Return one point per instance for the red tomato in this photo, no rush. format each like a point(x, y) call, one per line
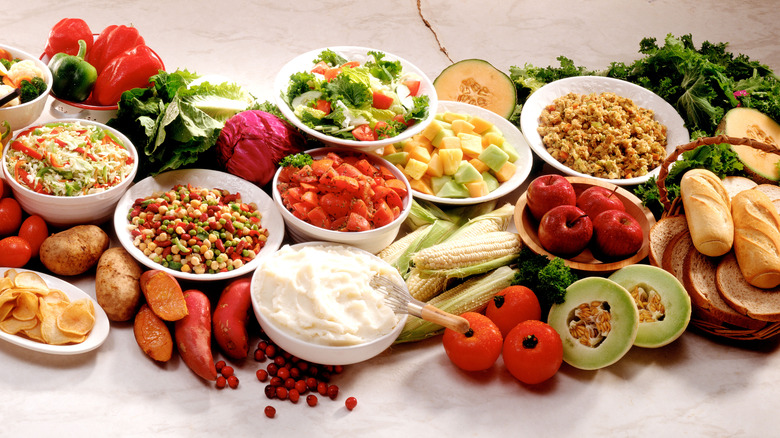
point(511, 306)
point(383, 215)
point(413, 86)
point(323, 105)
point(15, 252)
point(533, 352)
point(320, 67)
point(10, 216)
point(331, 73)
point(356, 222)
point(381, 100)
point(334, 204)
point(478, 348)
point(364, 133)
point(34, 230)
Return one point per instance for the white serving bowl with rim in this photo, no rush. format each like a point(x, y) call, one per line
point(373, 240)
point(66, 211)
point(319, 353)
point(304, 62)
point(664, 113)
point(25, 114)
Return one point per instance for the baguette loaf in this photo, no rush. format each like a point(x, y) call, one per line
point(757, 238)
point(708, 211)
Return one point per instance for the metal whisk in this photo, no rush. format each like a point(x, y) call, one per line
point(399, 299)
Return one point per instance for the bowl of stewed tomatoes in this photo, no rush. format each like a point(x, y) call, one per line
point(342, 195)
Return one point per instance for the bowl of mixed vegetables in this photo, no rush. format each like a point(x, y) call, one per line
point(22, 73)
point(70, 171)
point(355, 96)
point(340, 195)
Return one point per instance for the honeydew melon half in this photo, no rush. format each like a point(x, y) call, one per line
point(597, 322)
point(663, 304)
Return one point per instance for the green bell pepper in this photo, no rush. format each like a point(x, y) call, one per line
point(73, 77)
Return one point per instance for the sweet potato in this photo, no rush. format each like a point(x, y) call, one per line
point(163, 294)
point(117, 284)
point(193, 335)
point(230, 318)
point(152, 335)
point(75, 250)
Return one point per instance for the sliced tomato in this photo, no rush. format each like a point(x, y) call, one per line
point(393, 199)
point(331, 73)
point(397, 185)
point(311, 197)
point(383, 215)
point(346, 183)
point(380, 193)
point(320, 67)
point(336, 158)
point(346, 169)
point(304, 174)
point(319, 167)
point(413, 86)
point(323, 105)
point(334, 204)
point(364, 133)
point(366, 168)
point(301, 210)
point(293, 194)
point(309, 187)
point(356, 222)
point(387, 173)
point(318, 217)
point(360, 208)
point(339, 224)
point(381, 100)
point(351, 64)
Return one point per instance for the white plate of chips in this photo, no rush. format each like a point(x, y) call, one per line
point(77, 326)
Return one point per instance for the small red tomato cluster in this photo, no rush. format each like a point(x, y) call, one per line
point(20, 237)
point(290, 378)
point(511, 327)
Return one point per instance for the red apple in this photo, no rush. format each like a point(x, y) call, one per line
point(616, 234)
point(565, 230)
point(548, 191)
point(596, 199)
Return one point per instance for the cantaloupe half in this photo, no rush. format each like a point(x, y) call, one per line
point(753, 124)
point(477, 82)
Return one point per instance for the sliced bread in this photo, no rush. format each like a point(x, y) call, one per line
point(735, 184)
point(757, 303)
point(699, 279)
point(675, 252)
point(662, 233)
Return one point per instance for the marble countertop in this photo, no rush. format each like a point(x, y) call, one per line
point(697, 386)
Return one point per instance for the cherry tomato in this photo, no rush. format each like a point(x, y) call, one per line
point(478, 348)
point(10, 216)
point(14, 252)
point(511, 306)
point(34, 230)
point(533, 352)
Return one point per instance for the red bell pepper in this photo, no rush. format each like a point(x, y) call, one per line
point(131, 69)
point(112, 42)
point(65, 35)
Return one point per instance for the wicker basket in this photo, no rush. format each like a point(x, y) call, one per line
point(701, 318)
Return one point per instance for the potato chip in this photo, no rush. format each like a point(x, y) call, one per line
point(6, 283)
point(34, 333)
point(30, 280)
point(77, 318)
point(10, 274)
point(13, 326)
point(26, 306)
point(55, 295)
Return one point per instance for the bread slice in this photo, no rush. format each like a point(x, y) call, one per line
point(674, 255)
point(757, 303)
point(699, 279)
point(661, 233)
point(773, 191)
point(736, 184)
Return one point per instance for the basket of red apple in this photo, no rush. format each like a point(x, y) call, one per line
point(592, 225)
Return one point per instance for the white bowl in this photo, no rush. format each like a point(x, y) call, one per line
point(25, 114)
point(250, 193)
point(512, 135)
point(304, 62)
point(372, 241)
point(318, 353)
point(66, 211)
point(676, 133)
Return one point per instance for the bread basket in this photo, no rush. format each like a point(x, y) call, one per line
point(701, 318)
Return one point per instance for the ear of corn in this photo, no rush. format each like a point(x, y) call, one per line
point(424, 288)
point(472, 295)
point(393, 252)
point(464, 257)
point(493, 220)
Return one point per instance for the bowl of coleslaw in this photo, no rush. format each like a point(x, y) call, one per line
point(355, 97)
point(70, 171)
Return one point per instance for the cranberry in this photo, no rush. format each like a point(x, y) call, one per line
point(283, 373)
point(262, 375)
point(260, 355)
point(280, 361)
point(227, 371)
point(219, 365)
point(333, 392)
point(322, 388)
point(301, 387)
point(275, 381)
point(272, 369)
point(221, 382)
point(311, 382)
point(281, 392)
point(270, 391)
point(293, 395)
point(270, 351)
point(311, 400)
point(270, 411)
point(350, 403)
point(232, 381)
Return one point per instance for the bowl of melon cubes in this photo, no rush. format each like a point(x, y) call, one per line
point(466, 155)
